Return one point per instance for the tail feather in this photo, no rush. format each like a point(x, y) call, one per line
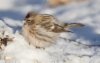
point(73, 25)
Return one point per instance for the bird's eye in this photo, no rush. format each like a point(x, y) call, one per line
point(28, 21)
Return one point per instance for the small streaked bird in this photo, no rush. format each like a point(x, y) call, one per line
point(42, 30)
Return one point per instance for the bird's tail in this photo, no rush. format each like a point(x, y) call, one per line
point(71, 25)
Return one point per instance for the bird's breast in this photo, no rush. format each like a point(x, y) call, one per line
point(39, 37)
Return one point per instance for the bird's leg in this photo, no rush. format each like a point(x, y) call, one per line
point(39, 48)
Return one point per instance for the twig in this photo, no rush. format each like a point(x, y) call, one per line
point(79, 42)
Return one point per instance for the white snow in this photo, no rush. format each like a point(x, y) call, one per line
point(78, 47)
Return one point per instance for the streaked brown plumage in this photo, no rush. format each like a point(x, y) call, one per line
point(42, 30)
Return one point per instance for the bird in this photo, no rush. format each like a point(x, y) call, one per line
point(42, 30)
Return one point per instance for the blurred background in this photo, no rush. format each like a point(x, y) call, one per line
point(12, 12)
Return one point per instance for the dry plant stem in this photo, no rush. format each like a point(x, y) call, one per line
point(79, 42)
point(53, 3)
point(5, 40)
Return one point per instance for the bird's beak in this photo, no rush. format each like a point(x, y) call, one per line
point(24, 21)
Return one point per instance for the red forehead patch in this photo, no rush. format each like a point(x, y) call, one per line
point(27, 16)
